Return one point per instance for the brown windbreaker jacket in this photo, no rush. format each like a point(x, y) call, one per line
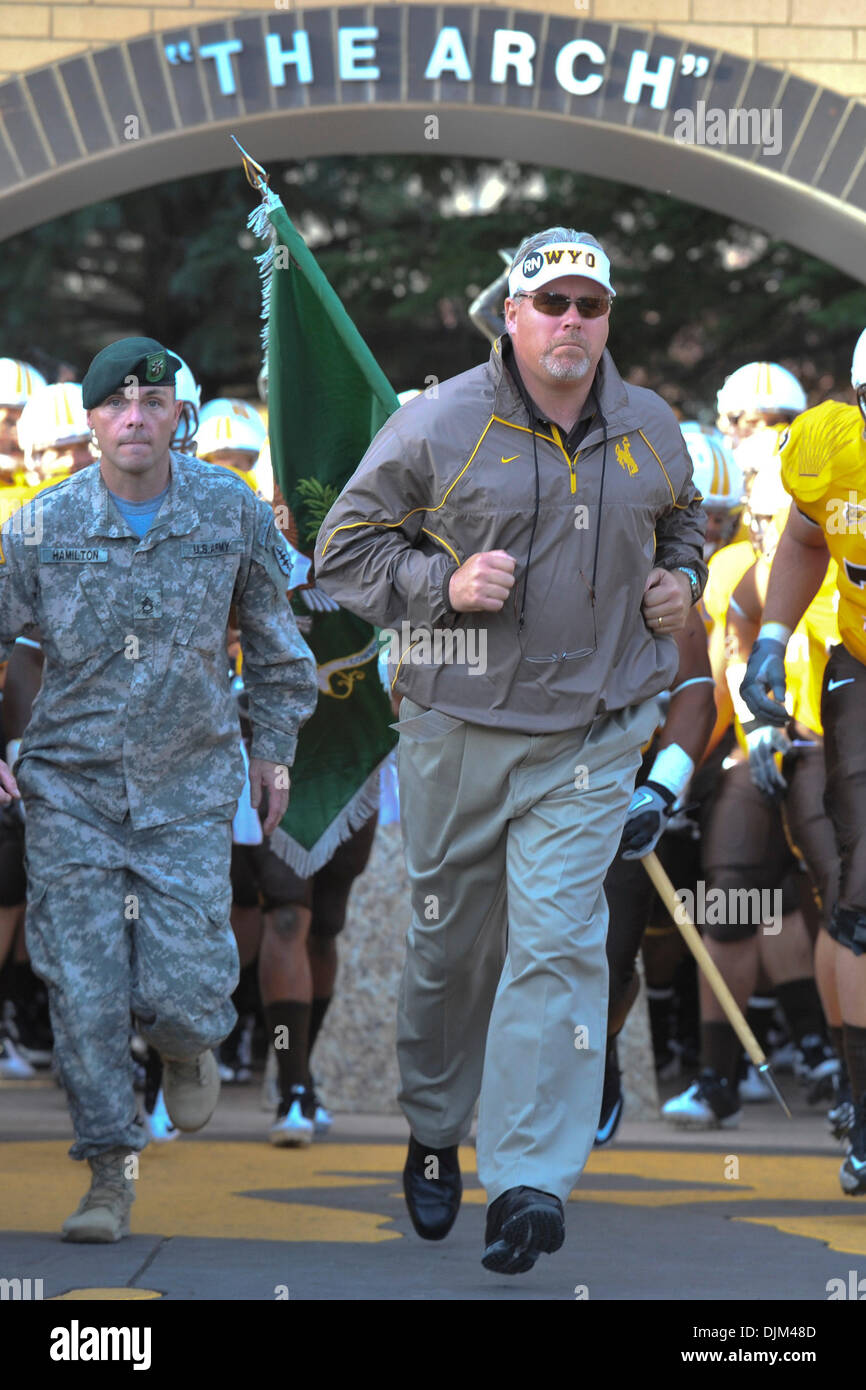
point(451, 476)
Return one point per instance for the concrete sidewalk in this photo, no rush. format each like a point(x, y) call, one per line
point(754, 1213)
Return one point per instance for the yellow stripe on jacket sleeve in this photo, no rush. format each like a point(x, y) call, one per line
point(395, 525)
point(678, 506)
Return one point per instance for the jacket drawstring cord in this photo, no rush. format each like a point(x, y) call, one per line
point(532, 532)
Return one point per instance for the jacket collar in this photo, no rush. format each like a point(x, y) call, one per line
point(610, 389)
point(178, 514)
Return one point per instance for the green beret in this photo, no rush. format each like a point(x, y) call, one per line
point(143, 358)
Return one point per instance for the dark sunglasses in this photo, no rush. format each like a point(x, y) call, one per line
point(546, 302)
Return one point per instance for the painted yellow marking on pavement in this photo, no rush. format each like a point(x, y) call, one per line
point(847, 1235)
point(235, 1190)
point(211, 1189)
point(27, 1083)
point(103, 1295)
point(762, 1177)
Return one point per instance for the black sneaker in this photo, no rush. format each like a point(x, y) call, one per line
point(816, 1063)
point(28, 1024)
point(314, 1109)
point(840, 1116)
point(13, 1067)
point(710, 1103)
point(852, 1174)
point(291, 1128)
point(611, 1099)
point(521, 1225)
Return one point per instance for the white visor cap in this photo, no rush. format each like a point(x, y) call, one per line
point(558, 258)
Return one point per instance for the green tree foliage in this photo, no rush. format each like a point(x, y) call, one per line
point(407, 242)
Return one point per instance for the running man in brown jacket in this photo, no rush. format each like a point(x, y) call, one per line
point(532, 536)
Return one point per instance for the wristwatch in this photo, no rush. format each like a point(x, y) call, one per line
point(694, 583)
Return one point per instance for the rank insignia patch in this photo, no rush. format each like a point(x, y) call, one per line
point(155, 366)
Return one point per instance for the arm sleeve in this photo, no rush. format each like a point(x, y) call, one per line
point(279, 668)
point(372, 555)
point(17, 596)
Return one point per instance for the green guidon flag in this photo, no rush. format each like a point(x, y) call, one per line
point(327, 398)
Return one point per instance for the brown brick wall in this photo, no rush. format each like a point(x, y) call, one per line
point(823, 43)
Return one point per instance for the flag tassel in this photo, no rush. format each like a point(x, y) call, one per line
point(306, 862)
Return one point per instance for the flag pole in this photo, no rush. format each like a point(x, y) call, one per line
point(712, 974)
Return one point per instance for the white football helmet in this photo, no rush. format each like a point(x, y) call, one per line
point(226, 423)
point(716, 473)
point(18, 381)
point(53, 416)
point(264, 472)
point(858, 372)
point(188, 391)
point(761, 386)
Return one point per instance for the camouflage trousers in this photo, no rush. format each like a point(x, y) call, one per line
point(120, 920)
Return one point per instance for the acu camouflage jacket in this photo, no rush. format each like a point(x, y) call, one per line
point(136, 713)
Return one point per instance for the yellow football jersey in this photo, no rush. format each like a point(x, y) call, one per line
point(824, 469)
point(806, 657)
point(808, 650)
point(12, 497)
point(726, 569)
point(248, 475)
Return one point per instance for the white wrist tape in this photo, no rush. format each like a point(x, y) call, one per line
point(673, 769)
point(777, 631)
point(693, 680)
point(734, 676)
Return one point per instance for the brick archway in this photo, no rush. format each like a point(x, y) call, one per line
point(605, 99)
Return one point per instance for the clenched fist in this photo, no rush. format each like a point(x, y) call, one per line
point(483, 582)
point(8, 786)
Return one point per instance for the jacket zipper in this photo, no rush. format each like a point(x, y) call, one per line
point(569, 461)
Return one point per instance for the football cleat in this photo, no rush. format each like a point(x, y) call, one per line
point(752, 1088)
point(710, 1103)
point(816, 1061)
point(784, 1058)
point(158, 1122)
point(13, 1067)
point(28, 1027)
point(291, 1128)
point(611, 1099)
point(841, 1119)
point(852, 1174)
point(314, 1110)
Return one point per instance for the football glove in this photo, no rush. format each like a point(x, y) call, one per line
point(763, 743)
point(765, 672)
point(646, 819)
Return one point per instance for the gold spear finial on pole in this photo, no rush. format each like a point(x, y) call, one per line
point(257, 177)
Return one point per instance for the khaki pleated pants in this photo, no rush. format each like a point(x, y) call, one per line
point(508, 838)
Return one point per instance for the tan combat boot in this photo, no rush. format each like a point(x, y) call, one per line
point(103, 1214)
point(191, 1087)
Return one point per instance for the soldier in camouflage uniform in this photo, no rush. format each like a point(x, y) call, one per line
point(130, 768)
